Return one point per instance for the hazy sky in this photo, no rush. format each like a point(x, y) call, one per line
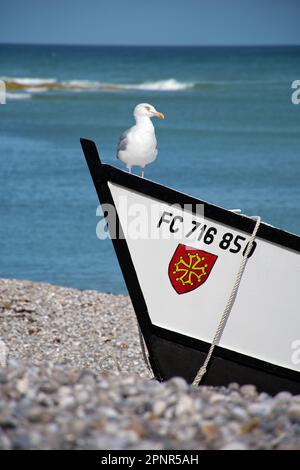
point(140, 22)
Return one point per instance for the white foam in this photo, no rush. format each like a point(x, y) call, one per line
point(164, 85)
point(34, 85)
point(27, 82)
point(83, 84)
point(18, 96)
point(40, 89)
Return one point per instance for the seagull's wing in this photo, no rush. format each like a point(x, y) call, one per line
point(123, 142)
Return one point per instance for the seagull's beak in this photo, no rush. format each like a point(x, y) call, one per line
point(160, 115)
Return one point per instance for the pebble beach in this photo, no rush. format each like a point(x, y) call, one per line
point(72, 376)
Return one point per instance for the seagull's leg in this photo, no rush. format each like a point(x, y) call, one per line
point(129, 169)
point(142, 171)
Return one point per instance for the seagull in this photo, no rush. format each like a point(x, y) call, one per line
point(138, 146)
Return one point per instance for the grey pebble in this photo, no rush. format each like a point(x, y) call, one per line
point(259, 409)
point(239, 413)
point(248, 391)
point(294, 413)
point(185, 404)
point(159, 407)
point(234, 446)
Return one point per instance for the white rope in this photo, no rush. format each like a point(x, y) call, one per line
point(229, 305)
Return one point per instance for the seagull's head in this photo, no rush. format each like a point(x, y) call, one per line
point(146, 110)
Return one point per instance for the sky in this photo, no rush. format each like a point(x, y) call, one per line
point(150, 22)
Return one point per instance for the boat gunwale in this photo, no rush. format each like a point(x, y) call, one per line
point(211, 211)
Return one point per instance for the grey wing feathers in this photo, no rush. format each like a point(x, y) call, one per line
point(122, 144)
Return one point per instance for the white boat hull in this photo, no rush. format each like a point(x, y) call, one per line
point(180, 277)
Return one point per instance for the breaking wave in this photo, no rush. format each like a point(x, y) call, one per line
point(25, 82)
point(18, 96)
point(22, 88)
point(39, 85)
point(163, 85)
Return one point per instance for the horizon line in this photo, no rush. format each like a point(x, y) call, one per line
point(144, 45)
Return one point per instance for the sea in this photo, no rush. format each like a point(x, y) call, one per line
point(231, 136)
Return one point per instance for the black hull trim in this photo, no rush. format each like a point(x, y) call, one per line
point(178, 355)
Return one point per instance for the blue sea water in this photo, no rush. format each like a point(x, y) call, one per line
point(231, 136)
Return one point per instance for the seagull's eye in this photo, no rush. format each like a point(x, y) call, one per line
point(148, 108)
